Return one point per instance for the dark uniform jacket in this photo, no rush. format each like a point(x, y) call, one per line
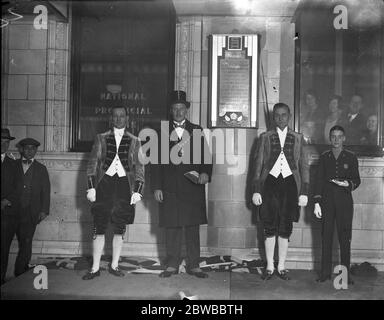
point(8, 185)
point(183, 201)
point(40, 188)
point(346, 167)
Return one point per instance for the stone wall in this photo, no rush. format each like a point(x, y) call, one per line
point(36, 94)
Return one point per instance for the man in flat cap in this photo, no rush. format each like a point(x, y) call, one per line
point(116, 181)
point(9, 200)
point(182, 201)
point(34, 192)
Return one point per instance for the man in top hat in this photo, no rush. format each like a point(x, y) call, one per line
point(182, 202)
point(34, 192)
point(116, 181)
point(8, 200)
point(280, 182)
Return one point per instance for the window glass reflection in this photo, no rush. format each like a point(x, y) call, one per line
point(340, 78)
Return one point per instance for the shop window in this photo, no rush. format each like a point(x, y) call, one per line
point(339, 73)
point(123, 54)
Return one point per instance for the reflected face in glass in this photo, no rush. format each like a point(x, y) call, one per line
point(356, 104)
point(28, 151)
point(310, 101)
point(4, 145)
point(119, 118)
point(337, 138)
point(309, 129)
point(333, 105)
point(372, 123)
point(178, 112)
point(281, 116)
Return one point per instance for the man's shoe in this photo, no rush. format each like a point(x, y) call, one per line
point(90, 275)
point(323, 279)
point(167, 273)
point(116, 272)
point(267, 275)
point(199, 274)
point(283, 274)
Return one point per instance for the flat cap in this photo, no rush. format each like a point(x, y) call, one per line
point(28, 141)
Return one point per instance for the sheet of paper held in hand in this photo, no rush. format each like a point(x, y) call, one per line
point(193, 176)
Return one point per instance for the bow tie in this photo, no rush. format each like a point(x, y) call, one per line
point(178, 125)
point(27, 161)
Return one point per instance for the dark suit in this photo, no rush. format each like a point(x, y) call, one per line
point(29, 209)
point(41, 188)
point(354, 129)
point(184, 204)
point(9, 192)
point(336, 204)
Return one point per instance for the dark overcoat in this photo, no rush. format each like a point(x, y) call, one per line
point(41, 188)
point(184, 202)
point(8, 185)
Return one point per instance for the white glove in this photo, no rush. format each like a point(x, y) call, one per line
point(91, 194)
point(256, 199)
point(136, 197)
point(317, 211)
point(303, 200)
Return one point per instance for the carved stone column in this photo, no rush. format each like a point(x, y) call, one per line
point(57, 95)
point(188, 62)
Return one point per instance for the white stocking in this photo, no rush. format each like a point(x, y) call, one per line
point(269, 251)
point(117, 244)
point(98, 246)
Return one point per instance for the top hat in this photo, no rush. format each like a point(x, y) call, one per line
point(179, 96)
point(6, 135)
point(28, 142)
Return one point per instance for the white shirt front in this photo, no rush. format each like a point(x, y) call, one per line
point(281, 165)
point(2, 157)
point(116, 166)
point(179, 130)
point(351, 116)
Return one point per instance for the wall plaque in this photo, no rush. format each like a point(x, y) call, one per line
point(233, 80)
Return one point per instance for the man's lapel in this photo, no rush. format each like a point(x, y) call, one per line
point(275, 136)
point(188, 127)
point(112, 140)
point(35, 174)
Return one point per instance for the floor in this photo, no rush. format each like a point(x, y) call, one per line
point(67, 284)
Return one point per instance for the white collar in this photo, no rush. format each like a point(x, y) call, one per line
point(119, 132)
point(284, 132)
point(179, 123)
point(2, 157)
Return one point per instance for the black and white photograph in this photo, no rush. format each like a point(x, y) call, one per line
point(220, 151)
